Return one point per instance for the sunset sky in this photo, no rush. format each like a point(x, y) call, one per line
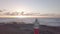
point(34, 6)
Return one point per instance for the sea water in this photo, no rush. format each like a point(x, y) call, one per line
point(42, 21)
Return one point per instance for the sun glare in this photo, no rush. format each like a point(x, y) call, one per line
point(24, 16)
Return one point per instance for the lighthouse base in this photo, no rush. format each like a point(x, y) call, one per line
point(36, 31)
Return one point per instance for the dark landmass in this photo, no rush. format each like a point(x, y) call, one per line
point(27, 29)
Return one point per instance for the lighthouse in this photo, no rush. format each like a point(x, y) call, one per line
point(36, 27)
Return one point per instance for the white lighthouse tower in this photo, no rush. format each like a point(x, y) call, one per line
point(36, 27)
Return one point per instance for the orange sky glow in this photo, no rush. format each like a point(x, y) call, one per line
point(29, 16)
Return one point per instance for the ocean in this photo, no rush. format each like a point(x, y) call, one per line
point(42, 21)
